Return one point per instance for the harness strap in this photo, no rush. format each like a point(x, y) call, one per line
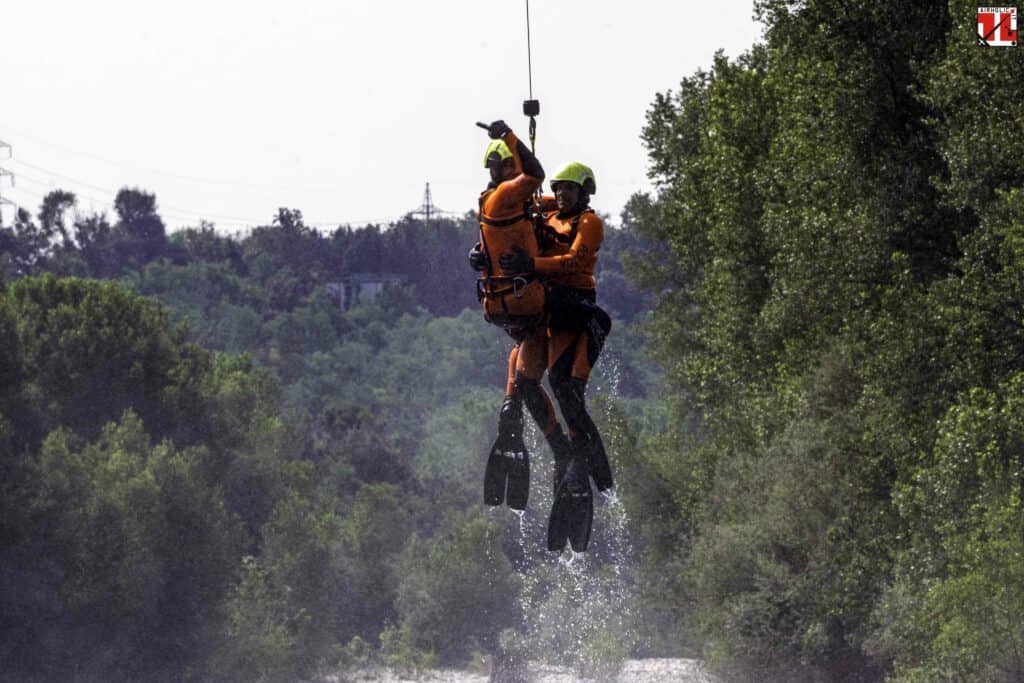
point(486, 289)
point(486, 286)
point(526, 215)
point(502, 222)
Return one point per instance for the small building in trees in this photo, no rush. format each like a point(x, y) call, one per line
point(362, 287)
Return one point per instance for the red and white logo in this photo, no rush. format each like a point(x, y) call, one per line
point(997, 26)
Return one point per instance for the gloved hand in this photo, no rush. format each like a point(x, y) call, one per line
point(498, 129)
point(477, 259)
point(516, 262)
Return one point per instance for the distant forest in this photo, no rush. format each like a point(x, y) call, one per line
point(285, 257)
point(812, 395)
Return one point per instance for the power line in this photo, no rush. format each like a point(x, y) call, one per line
point(175, 176)
point(187, 215)
point(113, 193)
point(184, 214)
point(107, 204)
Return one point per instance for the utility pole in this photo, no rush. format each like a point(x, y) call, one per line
point(5, 172)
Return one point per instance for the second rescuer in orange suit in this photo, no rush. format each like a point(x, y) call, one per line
point(556, 255)
point(570, 342)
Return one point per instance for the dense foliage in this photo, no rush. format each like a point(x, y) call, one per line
point(838, 248)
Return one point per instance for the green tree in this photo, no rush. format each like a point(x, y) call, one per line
point(373, 533)
point(456, 437)
point(454, 593)
point(23, 246)
point(133, 463)
point(53, 222)
point(139, 548)
point(93, 238)
point(205, 244)
point(289, 610)
point(90, 351)
point(954, 613)
point(140, 230)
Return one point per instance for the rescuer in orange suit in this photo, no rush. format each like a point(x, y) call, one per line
point(567, 344)
point(512, 299)
point(567, 347)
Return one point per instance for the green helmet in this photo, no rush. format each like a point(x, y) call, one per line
point(575, 172)
point(497, 148)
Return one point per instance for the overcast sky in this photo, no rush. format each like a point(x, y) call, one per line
point(228, 110)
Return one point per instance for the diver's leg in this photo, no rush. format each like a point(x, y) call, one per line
point(526, 377)
point(568, 375)
point(572, 513)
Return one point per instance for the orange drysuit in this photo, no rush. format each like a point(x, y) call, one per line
point(567, 262)
point(514, 301)
point(571, 340)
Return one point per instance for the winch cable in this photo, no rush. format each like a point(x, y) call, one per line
point(531, 107)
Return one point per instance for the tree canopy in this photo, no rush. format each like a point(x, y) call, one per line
point(835, 242)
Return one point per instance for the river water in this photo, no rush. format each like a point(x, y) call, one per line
point(633, 671)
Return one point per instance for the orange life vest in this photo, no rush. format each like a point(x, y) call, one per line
point(569, 247)
point(514, 301)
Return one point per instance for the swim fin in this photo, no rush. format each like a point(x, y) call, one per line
point(507, 474)
point(593, 449)
point(572, 514)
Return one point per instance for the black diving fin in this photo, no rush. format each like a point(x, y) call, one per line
point(507, 474)
point(572, 514)
point(593, 449)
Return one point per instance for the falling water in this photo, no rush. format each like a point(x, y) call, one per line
point(578, 608)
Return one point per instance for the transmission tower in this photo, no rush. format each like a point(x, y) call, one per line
point(427, 209)
point(4, 172)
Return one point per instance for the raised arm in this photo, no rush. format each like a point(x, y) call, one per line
point(509, 197)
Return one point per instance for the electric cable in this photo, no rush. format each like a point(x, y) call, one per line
point(182, 214)
point(167, 174)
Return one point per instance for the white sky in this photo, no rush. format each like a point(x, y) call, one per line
point(229, 109)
